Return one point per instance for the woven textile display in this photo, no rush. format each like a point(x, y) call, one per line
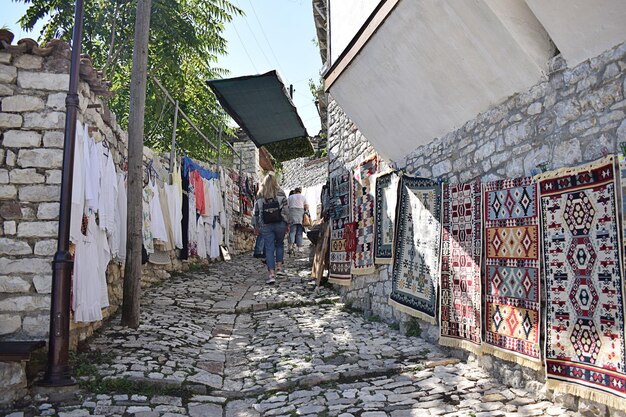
point(460, 266)
point(416, 272)
point(584, 290)
point(340, 259)
point(363, 215)
point(512, 316)
point(386, 201)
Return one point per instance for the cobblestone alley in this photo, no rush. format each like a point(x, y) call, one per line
point(221, 343)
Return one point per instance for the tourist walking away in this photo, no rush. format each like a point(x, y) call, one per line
point(289, 241)
point(271, 214)
point(297, 207)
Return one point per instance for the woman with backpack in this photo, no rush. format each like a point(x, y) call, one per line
point(270, 221)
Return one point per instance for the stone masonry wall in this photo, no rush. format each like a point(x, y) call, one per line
point(250, 158)
point(573, 116)
point(32, 117)
point(33, 88)
point(304, 172)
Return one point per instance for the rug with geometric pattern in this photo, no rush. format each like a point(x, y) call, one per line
point(363, 216)
point(415, 276)
point(585, 352)
point(512, 302)
point(340, 265)
point(386, 202)
point(461, 245)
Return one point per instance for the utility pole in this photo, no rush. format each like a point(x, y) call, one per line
point(138, 84)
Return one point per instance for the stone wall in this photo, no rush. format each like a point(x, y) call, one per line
point(33, 88)
point(304, 172)
point(250, 158)
point(573, 116)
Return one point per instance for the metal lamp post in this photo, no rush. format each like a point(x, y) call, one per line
point(58, 370)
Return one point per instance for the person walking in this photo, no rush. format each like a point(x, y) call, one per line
point(289, 241)
point(297, 206)
point(270, 220)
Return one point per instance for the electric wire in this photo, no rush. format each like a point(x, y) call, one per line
point(244, 48)
point(265, 36)
point(255, 38)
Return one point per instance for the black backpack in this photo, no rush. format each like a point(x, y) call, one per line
point(271, 211)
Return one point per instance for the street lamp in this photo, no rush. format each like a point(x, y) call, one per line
point(58, 370)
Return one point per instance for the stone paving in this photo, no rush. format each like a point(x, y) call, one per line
point(221, 343)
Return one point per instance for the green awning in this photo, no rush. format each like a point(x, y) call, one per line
point(261, 106)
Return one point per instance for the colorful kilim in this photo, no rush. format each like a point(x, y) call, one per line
point(584, 290)
point(386, 201)
point(512, 316)
point(460, 266)
point(418, 236)
point(363, 215)
point(340, 266)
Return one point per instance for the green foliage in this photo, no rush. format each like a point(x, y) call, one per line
point(186, 38)
point(290, 149)
point(128, 386)
point(374, 319)
point(395, 325)
point(413, 328)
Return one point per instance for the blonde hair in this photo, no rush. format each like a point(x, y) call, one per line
point(269, 187)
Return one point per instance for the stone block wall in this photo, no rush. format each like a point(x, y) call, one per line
point(304, 172)
point(250, 158)
point(573, 116)
point(32, 118)
point(33, 88)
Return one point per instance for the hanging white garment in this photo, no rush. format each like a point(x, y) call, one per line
point(108, 190)
point(121, 216)
point(202, 242)
point(78, 185)
point(87, 288)
point(176, 213)
point(216, 240)
point(208, 234)
point(313, 198)
point(103, 259)
point(92, 174)
point(207, 198)
point(156, 215)
point(177, 180)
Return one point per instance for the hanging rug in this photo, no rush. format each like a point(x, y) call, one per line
point(512, 309)
point(386, 201)
point(416, 274)
point(340, 266)
point(363, 215)
point(584, 288)
point(461, 243)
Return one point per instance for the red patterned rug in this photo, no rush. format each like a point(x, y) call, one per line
point(340, 265)
point(584, 285)
point(512, 316)
point(363, 215)
point(460, 266)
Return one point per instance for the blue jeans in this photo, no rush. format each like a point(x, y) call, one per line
point(274, 240)
point(295, 234)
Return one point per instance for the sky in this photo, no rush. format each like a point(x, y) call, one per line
point(273, 34)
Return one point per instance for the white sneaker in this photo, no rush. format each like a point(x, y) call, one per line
point(270, 280)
